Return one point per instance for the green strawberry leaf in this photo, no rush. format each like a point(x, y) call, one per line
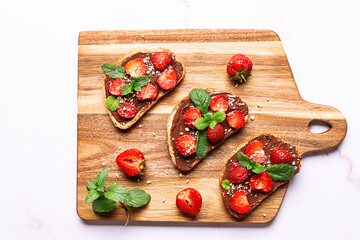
point(103, 204)
point(138, 198)
point(226, 184)
point(112, 103)
point(117, 193)
point(280, 172)
point(92, 195)
point(202, 144)
point(201, 99)
point(201, 123)
point(113, 71)
point(126, 89)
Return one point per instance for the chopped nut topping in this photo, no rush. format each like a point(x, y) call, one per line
point(252, 118)
point(116, 175)
point(148, 182)
point(163, 200)
point(187, 181)
point(181, 175)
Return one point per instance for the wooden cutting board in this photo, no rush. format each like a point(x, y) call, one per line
point(205, 53)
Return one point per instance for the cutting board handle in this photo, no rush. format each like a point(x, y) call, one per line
point(330, 138)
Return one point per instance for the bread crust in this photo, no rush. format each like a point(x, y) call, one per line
point(139, 114)
point(238, 215)
point(169, 124)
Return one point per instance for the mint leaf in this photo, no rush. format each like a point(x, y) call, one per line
point(113, 71)
point(280, 172)
point(92, 195)
point(112, 103)
point(201, 99)
point(139, 82)
point(117, 193)
point(102, 177)
point(202, 144)
point(100, 189)
point(92, 184)
point(138, 198)
point(201, 123)
point(207, 117)
point(102, 204)
point(126, 89)
point(245, 161)
point(218, 117)
point(212, 124)
point(226, 184)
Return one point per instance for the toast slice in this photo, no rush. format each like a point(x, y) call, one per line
point(256, 196)
point(142, 105)
point(176, 127)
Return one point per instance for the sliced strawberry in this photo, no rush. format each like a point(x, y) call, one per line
point(215, 135)
point(189, 201)
point(239, 202)
point(115, 86)
point(236, 119)
point(148, 92)
point(126, 110)
point(190, 117)
point(160, 60)
point(280, 155)
point(167, 79)
point(237, 173)
point(219, 104)
point(135, 68)
point(186, 145)
point(255, 151)
point(261, 182)
point(131, 162)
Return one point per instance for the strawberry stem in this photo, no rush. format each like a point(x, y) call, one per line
point(242, 76)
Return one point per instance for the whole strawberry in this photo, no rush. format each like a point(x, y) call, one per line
point(239, 67)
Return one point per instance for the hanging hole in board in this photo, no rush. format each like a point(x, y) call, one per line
point(319, 126)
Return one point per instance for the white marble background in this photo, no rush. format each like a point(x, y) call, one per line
point(38, 62)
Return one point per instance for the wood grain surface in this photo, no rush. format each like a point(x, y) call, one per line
point(270, 92)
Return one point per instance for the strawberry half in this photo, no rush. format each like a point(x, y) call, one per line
point(215, 135)
point(189, 201)
point(219, 104)
point(148, 92)
point(280, 155)
point(160, 60)
point(239, 67)
point(239, 202)
point(261, 182)
point(255, 151)
point(135, 68)
point(167, 79)
point(186, 145)
point(126, 110)
point(115, 86)
point(237, 173)
point(236, 119)
point(131, 162)
point(190, 117)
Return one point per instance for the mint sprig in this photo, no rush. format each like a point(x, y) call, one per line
point(105, 200)
point(112, 103)
point(113, 71)
point(201, 99)
point(245, 161)
point(209, 120)
point(280, 172)
point(135, 85)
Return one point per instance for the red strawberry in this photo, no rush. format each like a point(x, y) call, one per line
point(167, 79)
point(238, 173)
point(189, 201)
point(261, 182)
point(239, 67)
point(126, 110)
point(135, 68)
point(239, 202)
point(190, 116)
point(186, 145)
point(131, 162)
point(219, 104)
point(255, 151)
point(215, 135)
point(280, 155)
point(148, 92)
point(160, 60)
point(115, 86)
point(236, 119)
